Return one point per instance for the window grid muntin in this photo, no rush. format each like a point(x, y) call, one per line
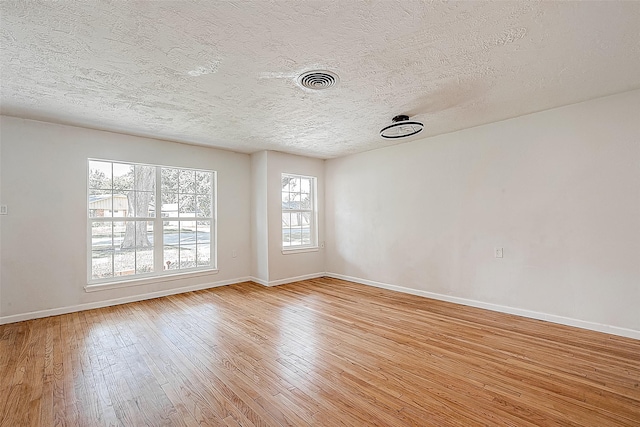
point(157, 220)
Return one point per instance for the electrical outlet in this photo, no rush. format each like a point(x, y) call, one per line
point(4, 210)
point(234, 253)
point(499, 252)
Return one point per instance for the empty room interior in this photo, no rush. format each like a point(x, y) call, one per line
point(381, 213)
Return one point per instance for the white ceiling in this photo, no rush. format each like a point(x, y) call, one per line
point(223, 73)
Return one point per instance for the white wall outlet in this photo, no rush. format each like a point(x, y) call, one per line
point(234, 253)
point(4, 210)
point(499, 252)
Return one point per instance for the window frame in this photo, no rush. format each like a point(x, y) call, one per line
point(313, 246)
point(159, 274)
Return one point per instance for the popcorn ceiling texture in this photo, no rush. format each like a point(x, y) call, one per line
point(223, 74)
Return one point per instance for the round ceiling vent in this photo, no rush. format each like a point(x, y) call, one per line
point(401, 128)
point(318, 79)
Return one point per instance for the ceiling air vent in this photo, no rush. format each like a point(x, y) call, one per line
point(318, 79)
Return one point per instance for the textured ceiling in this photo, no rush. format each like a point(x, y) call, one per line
point(223, 73)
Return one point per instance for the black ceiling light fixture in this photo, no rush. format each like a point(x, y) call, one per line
point(402, 127)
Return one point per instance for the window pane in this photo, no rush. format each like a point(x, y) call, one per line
point(187, 257)
point(187, 244)
point(122, 176)
point(170, 180)
point(187, 205)
point(306, 235)
point(204, 206)
point(295, 219)
point(286, 237)
point(99, 175)
point(144, 260)
point(203, 182)
point(101, 236)
point(296, 236)
point(305, 202)
point(187, 181)
point(305, 185)
point(285, 183)
point(169, 205)
point(171, 245)
point(119, 229)
point(100, 203)
point(124, 238)
point(124, 204)
point(101, 264)
point(294, 184)
point(204, 232)
point(286, 219)
point(145, 178)
point(305, 219)
point(145, 204)
point(124, 262)
point(204, 257)
point(203, 240)
point(139, 234)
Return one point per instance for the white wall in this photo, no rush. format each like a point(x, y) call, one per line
point(559, 190)
point(44, 237)
point(270, 266)
point(1, 218)
point(292, 265)
point(259, 229)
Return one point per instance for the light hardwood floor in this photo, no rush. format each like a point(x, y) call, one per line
point(320, 352)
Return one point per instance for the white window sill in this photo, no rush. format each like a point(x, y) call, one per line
point(299, 250)
point(94, 287)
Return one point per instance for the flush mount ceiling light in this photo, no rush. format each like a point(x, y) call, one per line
point(401, 128)
point(317, 79)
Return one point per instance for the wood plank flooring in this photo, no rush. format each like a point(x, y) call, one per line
point(321, 352)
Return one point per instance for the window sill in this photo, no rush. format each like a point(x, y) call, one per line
point(94, 287)
point(299, 250)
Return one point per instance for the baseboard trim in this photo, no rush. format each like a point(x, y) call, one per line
point(598, 327)
point(259, 281)
point(107, 303)
point(287, 280)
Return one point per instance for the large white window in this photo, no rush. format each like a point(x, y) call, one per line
point(299, 214)
point(131, 238)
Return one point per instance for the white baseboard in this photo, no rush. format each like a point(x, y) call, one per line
point(117, 301)
point(259, 281)
point(630, 333)
point(287, 280)
point(599, 327)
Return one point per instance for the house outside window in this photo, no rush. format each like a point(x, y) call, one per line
point(129, 238)
point(299, 212)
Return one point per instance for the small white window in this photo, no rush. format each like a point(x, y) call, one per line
point(299, 213)
point(129, 238)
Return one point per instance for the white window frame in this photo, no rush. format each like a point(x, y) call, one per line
point(159, 274)
point(313, 246)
